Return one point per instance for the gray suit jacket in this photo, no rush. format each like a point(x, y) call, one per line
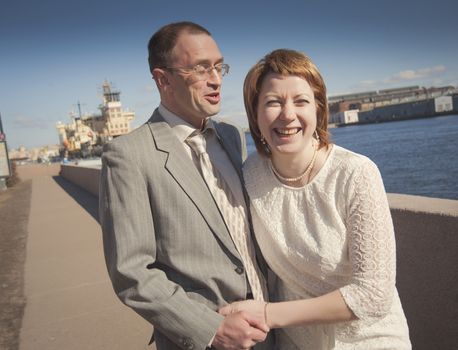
point(169, 254)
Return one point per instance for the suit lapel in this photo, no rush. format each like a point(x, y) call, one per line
point(236, 159)
point(228, 145)
point(183, 170)
point(234, 155)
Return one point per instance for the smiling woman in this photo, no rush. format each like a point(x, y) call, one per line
point(287, 121)
point(321, 219)
point(289, 115)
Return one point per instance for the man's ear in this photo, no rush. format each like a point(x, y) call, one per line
point(161, 78)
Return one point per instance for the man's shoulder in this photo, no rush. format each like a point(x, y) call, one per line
point(135, 137)
point(232, 135)
point(227, 125)
point(229, 130)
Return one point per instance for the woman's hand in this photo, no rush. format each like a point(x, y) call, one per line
point(256, 309)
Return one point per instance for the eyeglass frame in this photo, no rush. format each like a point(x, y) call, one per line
point(206, 72)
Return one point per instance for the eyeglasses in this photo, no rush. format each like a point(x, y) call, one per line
point(202, 71)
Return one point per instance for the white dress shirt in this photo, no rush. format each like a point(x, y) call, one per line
point(215, 150)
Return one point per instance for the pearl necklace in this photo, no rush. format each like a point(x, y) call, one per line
point(300, 177)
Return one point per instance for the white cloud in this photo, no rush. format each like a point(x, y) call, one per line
point(368, 82)
point(30, 123)
point(429, 76)
point(422, 73)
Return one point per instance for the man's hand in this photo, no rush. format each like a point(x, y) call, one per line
point(239, 330)
point(256, 309)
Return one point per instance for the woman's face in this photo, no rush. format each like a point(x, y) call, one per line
point(286, 113)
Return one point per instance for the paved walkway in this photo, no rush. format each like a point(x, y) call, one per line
point(70, 301)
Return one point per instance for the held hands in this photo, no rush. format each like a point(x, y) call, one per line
point(241, 329)
point(255, 308)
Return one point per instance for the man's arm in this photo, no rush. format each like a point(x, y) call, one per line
point(130, 253)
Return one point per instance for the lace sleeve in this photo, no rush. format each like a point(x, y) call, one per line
point(371, 245)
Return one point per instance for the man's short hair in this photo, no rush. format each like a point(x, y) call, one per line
point(163, 41)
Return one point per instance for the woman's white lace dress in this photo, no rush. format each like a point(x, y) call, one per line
point(334, 233)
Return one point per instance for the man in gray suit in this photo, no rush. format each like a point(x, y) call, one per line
point(167, 245)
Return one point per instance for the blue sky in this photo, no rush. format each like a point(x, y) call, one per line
point(54, 53)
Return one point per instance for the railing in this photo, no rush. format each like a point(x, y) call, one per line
point(427, 259)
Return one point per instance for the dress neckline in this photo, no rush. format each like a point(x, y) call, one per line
point(315, 178)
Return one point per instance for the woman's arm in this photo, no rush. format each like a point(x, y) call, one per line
point(327, 308)
point(371, 250)
point(371, 245)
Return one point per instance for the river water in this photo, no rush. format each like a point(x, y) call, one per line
point(417, 157)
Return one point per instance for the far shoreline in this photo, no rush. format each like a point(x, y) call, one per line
point(397, 119)
point(394, 119)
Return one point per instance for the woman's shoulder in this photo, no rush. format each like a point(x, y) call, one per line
point(349, 160)
point(354, 169)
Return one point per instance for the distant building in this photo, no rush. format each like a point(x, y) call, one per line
point(82, 134)
point(443, 104)
point(365, 101)
point(345, 117)
point(408, 110)
point(19, 154)
point(37, 154)
point(391, 104)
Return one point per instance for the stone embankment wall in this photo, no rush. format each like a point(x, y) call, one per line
point(84, 177)
point(427, 259)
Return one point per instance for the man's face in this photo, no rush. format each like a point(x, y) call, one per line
point(189, 96)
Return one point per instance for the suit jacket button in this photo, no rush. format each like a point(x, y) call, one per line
point(239, 270)
point(188, 343)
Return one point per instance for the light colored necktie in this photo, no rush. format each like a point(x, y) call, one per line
point(233, 213)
